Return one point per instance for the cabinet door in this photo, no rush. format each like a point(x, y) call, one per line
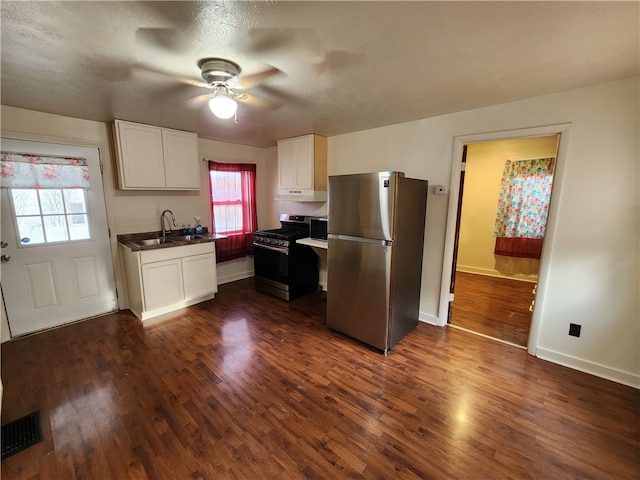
point(162, 283)
point(140, 156)
point(304, 163)
point(286, 163)
point(181, 159)
point(199, 272)
point(295, 163)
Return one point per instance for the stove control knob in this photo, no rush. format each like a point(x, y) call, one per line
point(267, 240)
point(280, 242)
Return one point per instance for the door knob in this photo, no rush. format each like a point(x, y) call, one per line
point(4, 258)
point(3, 244)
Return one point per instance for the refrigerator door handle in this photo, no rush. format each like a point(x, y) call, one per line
point(349, 238)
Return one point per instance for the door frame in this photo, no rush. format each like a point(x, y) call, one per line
point(547, 248)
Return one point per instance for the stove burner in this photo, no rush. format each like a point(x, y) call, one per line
point(284, 233)
point(292, 228)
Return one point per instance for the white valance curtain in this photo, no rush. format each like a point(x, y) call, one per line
point(23, 170)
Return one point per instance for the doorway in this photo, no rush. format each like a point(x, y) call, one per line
point(493, 295)
point(56, 265)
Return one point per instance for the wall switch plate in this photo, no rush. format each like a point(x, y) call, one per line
point(574, 329)
point(440, 190)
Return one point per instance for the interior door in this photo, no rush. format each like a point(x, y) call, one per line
point(53, 275)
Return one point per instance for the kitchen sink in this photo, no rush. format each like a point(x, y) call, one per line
point(169, 239)
point(154, 241)
point(186, 238)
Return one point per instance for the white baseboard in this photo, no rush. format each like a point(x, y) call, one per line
point(602, 371)
point(494, 273)
point(145, 317)
point(233, 277)
point(428, 318)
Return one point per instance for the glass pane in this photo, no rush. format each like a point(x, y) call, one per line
point(56, 228)
point(51, 202)
point(75, 200)
point(228, 218)
point(226, 186)
point(25, 202)
point(30, 230)
point(79, 227)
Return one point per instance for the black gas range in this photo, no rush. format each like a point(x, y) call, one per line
point(284, 268)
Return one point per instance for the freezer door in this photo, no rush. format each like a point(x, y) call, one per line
point(361, 205)
point(358, 277)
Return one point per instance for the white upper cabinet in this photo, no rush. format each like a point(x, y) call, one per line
point(181, 163)
point(154, 158)
point(302, 168)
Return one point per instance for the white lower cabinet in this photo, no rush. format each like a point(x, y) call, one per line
point(162, 283)
point(199, 277)
point(167, 279)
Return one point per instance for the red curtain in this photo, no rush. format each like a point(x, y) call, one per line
point(233, 200)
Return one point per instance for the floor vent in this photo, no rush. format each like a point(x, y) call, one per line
point(20, 434)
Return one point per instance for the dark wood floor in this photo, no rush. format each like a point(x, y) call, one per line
point(497, 307)
point(250, 387)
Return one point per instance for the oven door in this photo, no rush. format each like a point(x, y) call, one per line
point(271, 265)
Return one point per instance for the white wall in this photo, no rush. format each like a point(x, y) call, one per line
point(592, 249)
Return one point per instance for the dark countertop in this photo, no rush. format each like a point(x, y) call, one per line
point(128, 240)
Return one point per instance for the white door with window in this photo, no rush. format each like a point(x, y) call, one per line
point(56, 257)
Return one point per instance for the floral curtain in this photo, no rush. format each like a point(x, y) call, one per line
point(233, 208)
point(523, 205)
point(22, 170)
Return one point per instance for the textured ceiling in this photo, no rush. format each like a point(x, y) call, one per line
point(343, 66)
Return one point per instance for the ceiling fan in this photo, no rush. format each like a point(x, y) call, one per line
point(223, 76)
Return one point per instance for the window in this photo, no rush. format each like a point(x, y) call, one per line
point(48, 197)
point(233, 208)
point(226, 195)
point(50, 215)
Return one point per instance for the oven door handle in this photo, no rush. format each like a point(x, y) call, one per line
point(275, 249)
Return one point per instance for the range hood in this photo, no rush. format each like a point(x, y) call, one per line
point(303, 196)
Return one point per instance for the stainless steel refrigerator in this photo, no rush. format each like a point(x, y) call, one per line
point(374, 257)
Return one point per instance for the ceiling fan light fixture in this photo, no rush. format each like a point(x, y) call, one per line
point(222, 105)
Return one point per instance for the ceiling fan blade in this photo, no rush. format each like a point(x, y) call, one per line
point(255, 101)
point(176, 77)
point(250, 81)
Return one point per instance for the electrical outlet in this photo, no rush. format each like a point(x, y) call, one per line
point(574, 329)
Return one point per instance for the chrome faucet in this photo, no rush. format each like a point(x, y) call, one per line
point(162, 224)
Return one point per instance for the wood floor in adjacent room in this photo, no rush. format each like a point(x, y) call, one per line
point(497, 307)
point(247, 386)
